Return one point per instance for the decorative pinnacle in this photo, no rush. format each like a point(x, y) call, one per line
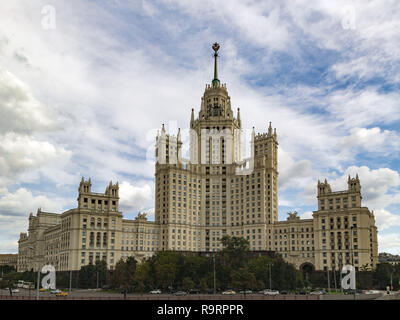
point(215, 81)
point(215, 47)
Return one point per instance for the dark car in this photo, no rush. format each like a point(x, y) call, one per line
point(284, 292)
point(358, 291)
point(302, 292)
point(194, 291)
point(180, 293)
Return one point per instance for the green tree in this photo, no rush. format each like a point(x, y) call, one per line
point(123, 275)
point(235, 251)
point(143, 277)
point(243, 279)
point(167, 265)
point(382, 274)
point(187, 284)
point(87, 276)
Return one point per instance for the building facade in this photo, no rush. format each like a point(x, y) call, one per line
point(94, 231)
point(215, 192)
point(9, 260)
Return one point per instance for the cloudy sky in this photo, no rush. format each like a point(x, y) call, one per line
point(84, 86)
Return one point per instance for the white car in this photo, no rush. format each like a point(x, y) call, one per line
point(372, 292)
point(15, 290)
point(271, 292)
point(55, 291)
point(157, 291)
point(229, 292)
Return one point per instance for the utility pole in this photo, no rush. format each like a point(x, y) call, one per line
point(352, 258)
point(340, 271)
point(270, 277)
point(391, 281)
point(38, 282)
point(97, 285)
point(214, 274)
point(329, 285)
point(334, 276)
point(70, 281)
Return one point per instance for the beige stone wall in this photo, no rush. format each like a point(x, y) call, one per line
point(9, 260)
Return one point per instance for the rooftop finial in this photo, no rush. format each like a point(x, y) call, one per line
point(215, 81)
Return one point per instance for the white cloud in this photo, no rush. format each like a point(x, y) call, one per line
point(385, 219)
point(133, 198)
point(21, 152)
point(363, 108)
point(22, 201)
point(389, 242)
point(306, 215)
point(253, 21)
point(293, 173)
point(19, 110)
point(371, 140)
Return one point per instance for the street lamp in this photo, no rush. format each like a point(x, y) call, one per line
point(270, 278)
point(38, 277)
point(352, 257)
point(214, 273)
point(340, 271)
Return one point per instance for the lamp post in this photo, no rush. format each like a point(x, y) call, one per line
point(352, 257)
point(334, 276)
point(70, 281)
point(38, 277)
point(340, 271)
point(214, 274)
point(270, 277)
point(329, 285)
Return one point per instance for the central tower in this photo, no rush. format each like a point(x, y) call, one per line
point(216, 133)
point(215, 192)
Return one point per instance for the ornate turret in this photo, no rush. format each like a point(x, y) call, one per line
point(324, 187)
point(354, 184)
point(85, 186)
point(270, 130)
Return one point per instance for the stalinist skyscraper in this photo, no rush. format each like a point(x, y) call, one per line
point(215, 192)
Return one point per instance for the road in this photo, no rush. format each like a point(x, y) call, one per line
point(93, 294)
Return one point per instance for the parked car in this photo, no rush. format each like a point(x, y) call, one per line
point(15, 290)
point(357, 291)
point(271, 292)
point(62, 294)
point(194, 291)
point(318, 292)
point(302, 292)
point(245, 291)
point(42, 290)
point(229, 292)
point(372, 292)
point(55, 291)
point(284, 292)
point(156, 291)
point(180, 293)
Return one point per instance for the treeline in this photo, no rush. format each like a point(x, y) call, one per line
point(234, 269)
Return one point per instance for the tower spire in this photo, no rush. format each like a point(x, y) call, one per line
point(215, 81)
